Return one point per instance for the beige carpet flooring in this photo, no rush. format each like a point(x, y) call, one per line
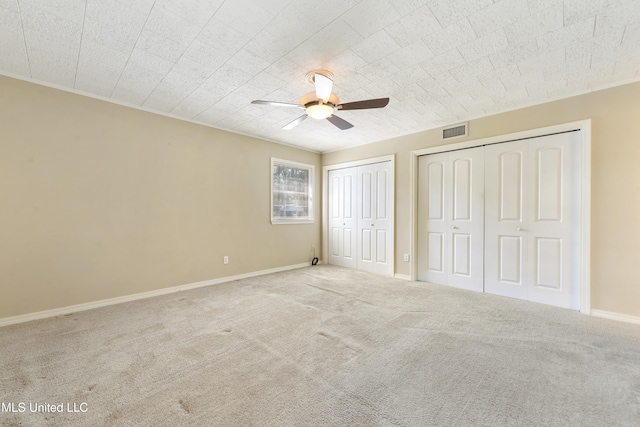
point(322, 346)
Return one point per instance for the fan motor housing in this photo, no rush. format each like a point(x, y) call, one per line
point(311, 97)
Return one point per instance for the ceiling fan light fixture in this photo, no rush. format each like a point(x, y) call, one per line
point(322, 103)
point(319, 111)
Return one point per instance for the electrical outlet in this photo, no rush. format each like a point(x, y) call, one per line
point(225, 260)
point(406, 257)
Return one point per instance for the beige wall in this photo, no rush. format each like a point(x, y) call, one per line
point(101, 201)
point(615, 186)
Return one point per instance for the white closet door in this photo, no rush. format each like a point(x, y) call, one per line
point(466, 218)
point(529, 220)
point(343, 217)
point(433, 224)
point(375, 225)
point(451, 218)
point(551, 216)
point(506, 193)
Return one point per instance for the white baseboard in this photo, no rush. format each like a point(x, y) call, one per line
point(126, 298)
point(403, 277)
point(616, 316)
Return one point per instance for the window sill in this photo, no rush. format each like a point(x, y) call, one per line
point(291, 221)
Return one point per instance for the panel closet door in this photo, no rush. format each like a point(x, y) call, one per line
point(375, 223)
point(451, 218)
point(343, 217)
point(532, 199)
point(553, 220)
point(432, 221)
point(361, 217)
point(506, 219)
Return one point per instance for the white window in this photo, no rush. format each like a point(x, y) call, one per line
point(291, 192)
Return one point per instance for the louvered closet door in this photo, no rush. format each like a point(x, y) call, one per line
point(343, 217)
point(451, 218)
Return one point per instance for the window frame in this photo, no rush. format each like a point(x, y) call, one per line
point(308, 219)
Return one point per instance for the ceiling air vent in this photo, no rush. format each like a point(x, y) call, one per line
point(456, 131)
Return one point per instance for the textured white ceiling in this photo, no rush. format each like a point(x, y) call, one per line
point(440, 61)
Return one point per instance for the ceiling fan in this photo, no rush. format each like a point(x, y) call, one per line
point(322, 104)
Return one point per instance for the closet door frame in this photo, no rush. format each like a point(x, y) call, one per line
point(325, 202)
point(585, 176)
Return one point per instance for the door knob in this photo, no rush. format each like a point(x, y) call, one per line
point(372, 225)
point(521, 229)
point(453, 227)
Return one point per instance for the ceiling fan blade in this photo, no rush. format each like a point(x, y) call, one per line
point(342, 124)
point(277, 104)
point(363, 105)
point(324, 85)
point(295, 123)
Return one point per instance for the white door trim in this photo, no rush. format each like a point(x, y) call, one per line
point(325, 201)
point(585, 250)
